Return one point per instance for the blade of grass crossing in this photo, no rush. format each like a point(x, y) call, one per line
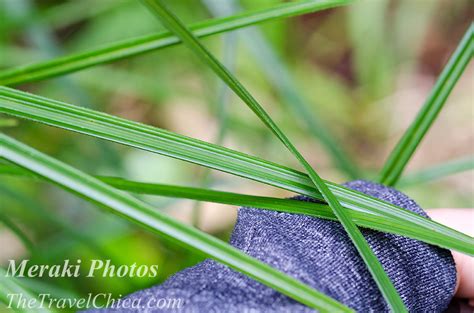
point(177, 27)
point(138, 212)
point(385, 223)
point(277, 73)
point(321, 210)
point(412, 138)
point(143, 44)
point(163, 142)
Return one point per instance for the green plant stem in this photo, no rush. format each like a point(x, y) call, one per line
point(143, 44)
point(412, 138)
point(375, 268)
point(138, 212)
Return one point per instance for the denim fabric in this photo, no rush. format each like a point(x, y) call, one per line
point(319, 253)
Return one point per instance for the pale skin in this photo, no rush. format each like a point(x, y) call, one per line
point(462, 220)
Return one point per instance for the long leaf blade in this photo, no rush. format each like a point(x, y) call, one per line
point(375, 267)
point(279, 76)
point(139, 45)
point(101, 125)
point(412, 138)
point(138, 212)
point(384, 223)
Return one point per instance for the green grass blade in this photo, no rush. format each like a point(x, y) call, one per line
point(320, 210)
point(375, 268)
point(382, 222)
point(279, 76)
point(138, 212)
point(148, 138)
point(143, 44)
point(101, 125)
point(67, 230)
point(437, 171)
point(10, 286)
point(412, 138)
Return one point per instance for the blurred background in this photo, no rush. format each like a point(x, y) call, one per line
point(354, 76)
